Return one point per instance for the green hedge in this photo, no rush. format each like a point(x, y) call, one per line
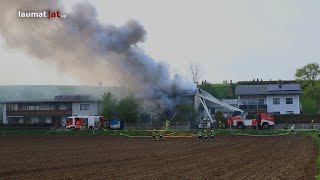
point(297, 118)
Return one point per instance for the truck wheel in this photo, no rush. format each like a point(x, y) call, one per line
point(90, 128)
point(72, 129)
point(240, 126)
point(265, 125)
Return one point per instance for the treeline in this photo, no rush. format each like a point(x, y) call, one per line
point(132, 110)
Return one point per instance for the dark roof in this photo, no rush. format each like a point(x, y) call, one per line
point(61, 98)
point(268, 89)
point(189, 92)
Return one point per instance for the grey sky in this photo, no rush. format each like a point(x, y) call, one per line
point(237, 40)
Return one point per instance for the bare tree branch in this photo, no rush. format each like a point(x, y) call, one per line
point(195, 72)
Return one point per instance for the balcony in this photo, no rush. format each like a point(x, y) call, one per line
point(40, 113)
point(253, 107)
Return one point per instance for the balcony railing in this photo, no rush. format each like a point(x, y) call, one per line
point(40, 113)
point(253, 107)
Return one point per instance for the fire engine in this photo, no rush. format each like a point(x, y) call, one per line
point(265, 120)
point(84, 122)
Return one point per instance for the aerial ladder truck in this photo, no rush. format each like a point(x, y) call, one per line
point(237, 118)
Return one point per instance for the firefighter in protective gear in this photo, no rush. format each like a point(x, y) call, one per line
point(292, 129)
point(220, 125)
point(312, 124)
point(285, 128)
point(205, 135)
point(212, 135)
point(154, 135)
point(161, 134)
point(205, 123)
point(199, 135)
point(167, 124)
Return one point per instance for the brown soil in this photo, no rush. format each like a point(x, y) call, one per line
point(113, 157)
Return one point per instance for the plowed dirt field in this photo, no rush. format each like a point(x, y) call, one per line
point(114, 157)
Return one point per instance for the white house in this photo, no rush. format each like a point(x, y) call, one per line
point(50, 112)
point(275, 98)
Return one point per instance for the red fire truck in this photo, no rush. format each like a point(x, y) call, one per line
point(84, 122)
point(264, 120)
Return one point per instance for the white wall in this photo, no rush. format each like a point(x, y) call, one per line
point(5, 120)
point(93, 109)
point(283, 107)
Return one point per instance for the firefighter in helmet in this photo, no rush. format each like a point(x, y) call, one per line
point(212, 138)
point(205, 135)
point(161, 134)
point(220, 125)
point(292, 129)
point(312, 124)
point(154, 135)
point(167, 124)
point(205, 122)
point(199, 135)
point(285, 128)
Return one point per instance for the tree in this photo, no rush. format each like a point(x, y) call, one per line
point(218, 116)
point(195, 72)
point(185, 113)
point(309, 72)
point(150, 111)
point(128, 109)
point(109, 106)
point(309, 78)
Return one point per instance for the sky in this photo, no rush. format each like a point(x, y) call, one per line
point(231, 39)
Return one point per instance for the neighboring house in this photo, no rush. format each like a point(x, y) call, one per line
point(50, 112)
point(276, 98)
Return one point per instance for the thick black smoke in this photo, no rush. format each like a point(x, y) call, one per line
point(84, 48)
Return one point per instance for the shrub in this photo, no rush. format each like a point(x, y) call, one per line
point(296, 118)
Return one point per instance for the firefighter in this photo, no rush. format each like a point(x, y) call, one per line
point(220, 125)
point(285, 128)
point(154, 135)
point(205, 135)
point(205, 123)
point(161, 134)
point(199, 135)
point(212, 136)
point(167, 124)
point(318, 133)
point(312, 124)
point(292, 129)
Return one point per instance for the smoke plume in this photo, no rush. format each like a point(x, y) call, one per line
point(85, 49)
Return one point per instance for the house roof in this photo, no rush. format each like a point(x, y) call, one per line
point(268, 89)
point(189, 92)
point(60, 98)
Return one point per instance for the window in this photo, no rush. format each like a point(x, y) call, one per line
point(12, 107)
point(33, 107)
point(270, 115)
point(289, 101)
point(27, 120)
point(56, 107)
point(289, 112)
point(261, 101)
point(68, 107)
point(276, 100)
point(84, 106)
